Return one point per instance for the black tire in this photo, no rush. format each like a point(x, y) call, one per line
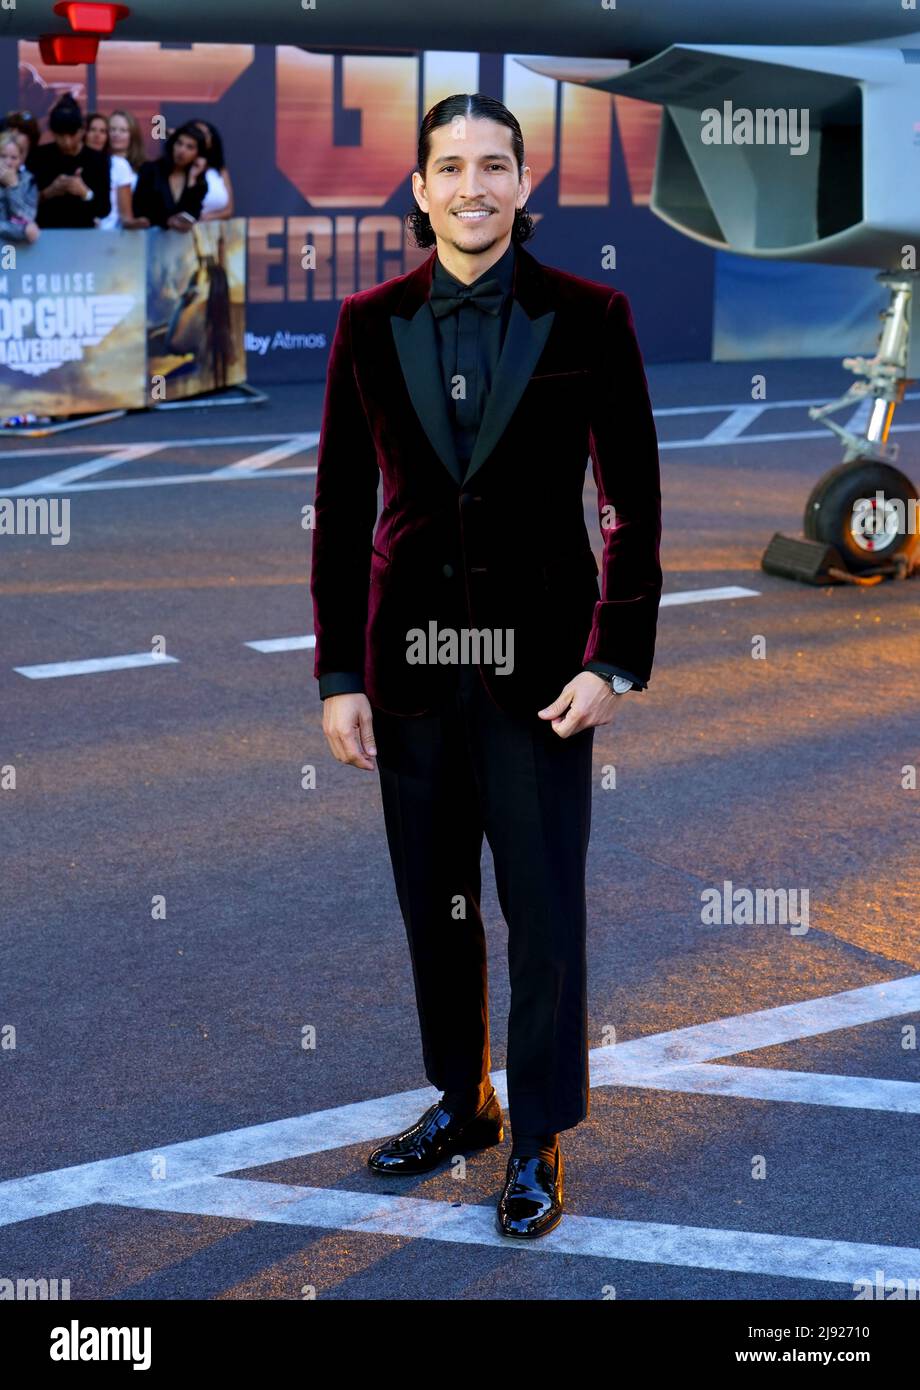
point(829, 512)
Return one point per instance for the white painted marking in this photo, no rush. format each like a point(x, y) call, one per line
point(780, 438)
point(116, 484)
point(128, 1179)
point(282, 644)
point(681, 596)
point(723, 407)
point(214, 441)
point(723, 1037)
point(795, 1087)
point(58, 482)
point(100, 663)
point(737, 421)
point(643, 1242)
point(266, 457)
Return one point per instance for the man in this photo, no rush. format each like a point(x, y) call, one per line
point(73, 180)
point(477, 385)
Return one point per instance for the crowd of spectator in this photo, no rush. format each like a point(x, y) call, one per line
point(93, 172)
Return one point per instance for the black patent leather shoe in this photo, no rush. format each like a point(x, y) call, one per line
point(436, 1137)
point(532, 1199)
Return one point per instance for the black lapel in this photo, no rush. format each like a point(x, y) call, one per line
point(414, 334)
point(420, 359)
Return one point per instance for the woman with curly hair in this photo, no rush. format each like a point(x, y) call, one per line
point(218, 200)
point(170, 190)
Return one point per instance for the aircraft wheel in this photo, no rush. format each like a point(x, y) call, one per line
point(842, 510)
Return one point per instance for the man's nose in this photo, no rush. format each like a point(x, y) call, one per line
point(471, 186)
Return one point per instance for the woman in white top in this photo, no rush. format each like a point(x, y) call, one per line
point(126, 143)
point(119, 136)
point(218, 200)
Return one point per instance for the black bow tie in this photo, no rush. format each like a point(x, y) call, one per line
point(446, 298)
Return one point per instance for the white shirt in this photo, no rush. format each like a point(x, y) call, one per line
point(122, 175)
point(217, 196)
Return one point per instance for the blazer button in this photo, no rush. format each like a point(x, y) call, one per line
point(447, 571)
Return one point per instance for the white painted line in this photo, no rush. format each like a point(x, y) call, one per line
point(129, 1176)
point(101, 663)
point(724, 1037)
point(724, 407)
point(282, 644)
point(266, 457)
point(738, 420)
point(58, 482)
point(780, 438)
point(643, 1242)
point(681, 596)
point(190, 1160)
point(795, 1087)
point(117, 484)
point(215, 441)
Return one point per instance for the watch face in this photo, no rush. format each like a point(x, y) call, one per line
point(621, 684)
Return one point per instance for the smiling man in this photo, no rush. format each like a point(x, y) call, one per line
point(477, 386)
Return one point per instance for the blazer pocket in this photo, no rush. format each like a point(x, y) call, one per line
point(560, 376)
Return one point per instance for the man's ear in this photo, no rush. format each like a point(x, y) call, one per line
point(418, 190)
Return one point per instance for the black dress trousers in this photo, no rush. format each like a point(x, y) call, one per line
point(446, 779)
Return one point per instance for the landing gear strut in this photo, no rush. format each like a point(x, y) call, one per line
point(862, 519)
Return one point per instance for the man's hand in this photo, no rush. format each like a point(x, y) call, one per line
point(56, 187)
point(586, 701)
point(74, 184)
point(349, 729)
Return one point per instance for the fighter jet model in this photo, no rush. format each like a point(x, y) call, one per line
point(789, 130)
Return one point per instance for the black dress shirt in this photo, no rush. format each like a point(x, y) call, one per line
point(47, 161)
point(470, 343)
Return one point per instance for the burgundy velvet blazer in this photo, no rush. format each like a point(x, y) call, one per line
point(505, 545)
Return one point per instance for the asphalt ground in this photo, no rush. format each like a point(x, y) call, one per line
point(165, 1133)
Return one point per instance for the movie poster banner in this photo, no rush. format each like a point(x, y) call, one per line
point(72, 323)
point(196, 309)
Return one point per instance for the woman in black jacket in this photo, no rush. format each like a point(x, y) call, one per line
point(170, 190)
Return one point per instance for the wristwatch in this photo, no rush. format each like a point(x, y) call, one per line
point(618, 684)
